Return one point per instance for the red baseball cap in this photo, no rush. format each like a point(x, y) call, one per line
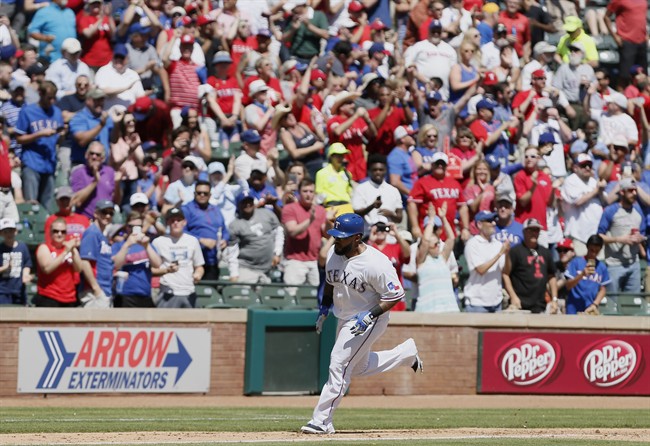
point(191, 7)
point(565, 244)
point(187, 38)
point(490, 78)
point(355, 6)
point(141, 107)
point(377, 25)
point(539, 73)
point(204, 20)
point(318, 74)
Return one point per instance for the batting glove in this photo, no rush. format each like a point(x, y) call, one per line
point(322, 315)
point(364, 320)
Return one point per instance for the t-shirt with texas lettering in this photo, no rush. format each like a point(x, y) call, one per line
point(531, 269)
point(431, 190)
point(361, 281)
point(584, 293)
point(95, 248)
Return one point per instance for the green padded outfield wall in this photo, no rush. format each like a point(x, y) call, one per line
point(284, 354)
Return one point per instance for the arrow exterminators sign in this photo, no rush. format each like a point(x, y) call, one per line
point(94, 360)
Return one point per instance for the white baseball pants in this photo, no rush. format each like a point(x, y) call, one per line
point(352, 356)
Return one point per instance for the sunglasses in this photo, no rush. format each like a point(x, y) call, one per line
point(59, 231)
point(96, 154)
point(203, 194)
point(539, 78)
point(563, 251)
point(532, 156)
point(108, 212)
point(432, 136)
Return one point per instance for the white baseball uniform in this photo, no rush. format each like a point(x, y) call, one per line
point(360, 283)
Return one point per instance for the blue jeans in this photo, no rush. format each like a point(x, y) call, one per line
point(482, 309)
point(624, 279)
point(38, 186)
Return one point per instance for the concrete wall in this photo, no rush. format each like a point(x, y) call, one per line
point(447, 343)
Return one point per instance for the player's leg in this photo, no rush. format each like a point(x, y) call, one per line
point(348, 351)
point(404, 354)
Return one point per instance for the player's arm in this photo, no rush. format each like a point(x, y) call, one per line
point(328, 296)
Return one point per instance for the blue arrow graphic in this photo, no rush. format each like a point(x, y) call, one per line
point(58, 359)
point(180, 360)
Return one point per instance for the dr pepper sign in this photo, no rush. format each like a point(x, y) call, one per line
point(564, 363)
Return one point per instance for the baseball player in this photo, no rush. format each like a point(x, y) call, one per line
point(363, 286)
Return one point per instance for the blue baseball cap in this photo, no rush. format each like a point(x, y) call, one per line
point(376, 47)
point(120, 50)
point(485, 216)
point(246, 195)
point(546, 138)
point(435, 24)
point(492, 161)
point(347, 225)
point(148, 145)
point(137, 28)
point(264, 32)
point(486, 103)
point(251, 137)
point(434, 96)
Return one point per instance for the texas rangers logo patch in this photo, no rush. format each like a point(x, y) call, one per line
point(393, 286)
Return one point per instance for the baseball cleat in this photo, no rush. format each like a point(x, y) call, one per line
point(418, 364)
point(313, 429)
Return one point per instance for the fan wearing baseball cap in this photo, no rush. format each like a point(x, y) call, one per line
point(183, 77)
point(121, 84)
point(64, 71)
point(76, 223)
point(16, 266)
point(587, 279)
point(575, 34)
point(437, 189)
point(623, 228)
point(532, 270)
point(582, 195)
point(491, 132)
point(533, 188)
point(526, 100)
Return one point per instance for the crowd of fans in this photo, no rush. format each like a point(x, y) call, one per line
point(227, 136)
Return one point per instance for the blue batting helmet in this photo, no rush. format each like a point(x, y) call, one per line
point(347, 225)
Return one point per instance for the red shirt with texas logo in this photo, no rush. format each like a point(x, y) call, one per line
point(431, 190)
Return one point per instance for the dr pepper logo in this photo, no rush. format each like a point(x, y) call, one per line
point(528, 360)
point(609, 363)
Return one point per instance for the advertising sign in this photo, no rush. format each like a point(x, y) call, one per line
point(101, 360)
point(564, 363)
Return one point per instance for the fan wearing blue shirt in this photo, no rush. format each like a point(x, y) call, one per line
point(507, 228)
point(206, 223)
point(587, 278)
point(38, 129)
point(402, 171)
point(97, 258)
point(51, 26)
point(134, 256)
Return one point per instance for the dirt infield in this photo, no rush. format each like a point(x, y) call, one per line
point(117, 438)
point(404, 402)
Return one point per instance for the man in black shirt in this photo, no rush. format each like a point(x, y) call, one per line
point(532, 268)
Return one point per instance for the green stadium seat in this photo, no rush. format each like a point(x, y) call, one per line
point(633, 304)
point(306, 297)
point(608, 307)
point(239, 296)
point(208, 297)
point(276, 297)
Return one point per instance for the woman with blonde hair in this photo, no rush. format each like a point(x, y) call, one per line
point(426, 146)
point(473, 36)
point(464, 74)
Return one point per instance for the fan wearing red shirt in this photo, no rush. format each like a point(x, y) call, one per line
point(398, 253)
point(526, 100)
point(95, 30)
point(631, 34)
point(152, 120)
point(436, 189)
point(358, 14)
point(518, 27)
point(534, 190)
point(349, 126)
point(387, 117)
point(183, 77)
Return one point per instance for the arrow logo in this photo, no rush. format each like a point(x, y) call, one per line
point(58, 359)
point(180, 360)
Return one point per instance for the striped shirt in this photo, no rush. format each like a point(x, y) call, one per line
point(183, 84)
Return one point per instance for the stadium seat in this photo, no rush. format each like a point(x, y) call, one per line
point(307, 297)
point(608, 307)
point(239, 296)
point(633, 305)
point(208, 297)
point(276, 297)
